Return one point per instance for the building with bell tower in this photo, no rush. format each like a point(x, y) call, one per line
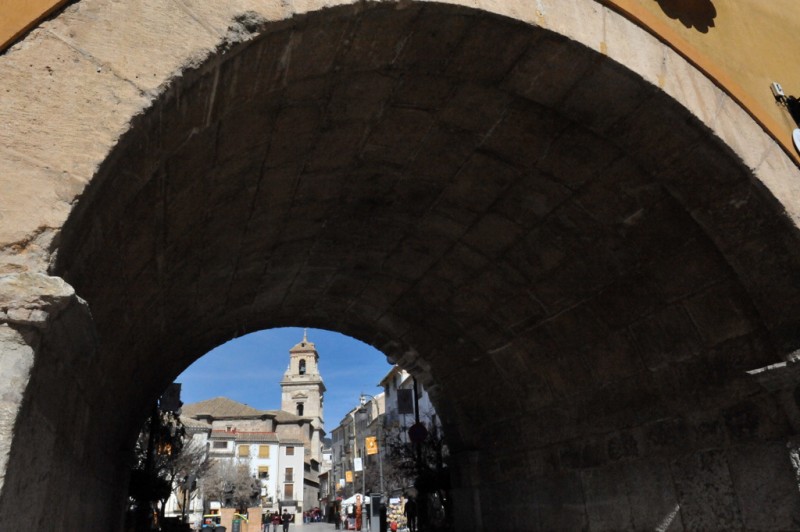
point(302, 390)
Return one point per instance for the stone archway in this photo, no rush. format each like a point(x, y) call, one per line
point(573, 238)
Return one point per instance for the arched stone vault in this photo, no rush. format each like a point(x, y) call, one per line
point(574, 239)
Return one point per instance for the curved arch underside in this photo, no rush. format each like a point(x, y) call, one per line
point(579, 270)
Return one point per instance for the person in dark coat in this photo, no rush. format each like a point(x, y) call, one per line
point(410, 511)
point(286, 519)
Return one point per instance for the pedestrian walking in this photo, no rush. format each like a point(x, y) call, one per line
point(410, 511)
point(286, 519)
point(358, 512)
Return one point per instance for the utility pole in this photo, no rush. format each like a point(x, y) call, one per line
point(380, 435)
point(416, 422)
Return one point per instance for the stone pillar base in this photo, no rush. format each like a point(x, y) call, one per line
point(53, 452)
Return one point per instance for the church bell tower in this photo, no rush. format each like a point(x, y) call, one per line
point(302, 389)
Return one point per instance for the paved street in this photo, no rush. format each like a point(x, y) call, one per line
point(310, 527)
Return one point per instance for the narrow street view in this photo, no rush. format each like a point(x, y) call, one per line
point(209, 459)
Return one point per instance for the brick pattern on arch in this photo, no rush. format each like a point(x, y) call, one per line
point(581, 270)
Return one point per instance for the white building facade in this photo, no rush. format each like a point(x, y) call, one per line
point(391, 412)
point(281, 448)
point(273, 444)
point(399, 400)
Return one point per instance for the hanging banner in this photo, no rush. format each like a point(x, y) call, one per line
point(348, 476)
point(357, 465)
point(405, 401)
point(371, 443)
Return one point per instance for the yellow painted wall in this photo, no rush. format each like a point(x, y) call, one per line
point(18, 16)
point(743, 45)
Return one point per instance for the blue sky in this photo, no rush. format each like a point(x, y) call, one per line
point(249, 369)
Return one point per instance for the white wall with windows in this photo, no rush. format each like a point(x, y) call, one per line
point(279, 466)
point(400, 410)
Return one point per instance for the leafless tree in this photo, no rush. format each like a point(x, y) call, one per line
point(230, 482)
point(186, 469)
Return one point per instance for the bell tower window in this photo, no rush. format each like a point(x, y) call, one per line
point(302, 367)
point(299, 409)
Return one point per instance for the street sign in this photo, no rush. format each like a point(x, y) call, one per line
point(417, 433)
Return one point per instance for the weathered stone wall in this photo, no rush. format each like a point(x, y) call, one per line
point(737, 44)
point(576, 241)
point(249, 425)
point(27, 303)
point(17, 362)
point(59, 417)
point(664, 472)
point(293, 432)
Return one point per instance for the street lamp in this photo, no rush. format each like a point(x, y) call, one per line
point(363, 399)
point(354, 449)
point(359, 499)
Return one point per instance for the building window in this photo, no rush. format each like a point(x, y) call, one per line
point(290, 451)
point(288, 492)
point(302, 367)
point(299, 409)
point(263, 472)
point(244, 451)
point(263, 451)
point(289, 475)
point(220, 445)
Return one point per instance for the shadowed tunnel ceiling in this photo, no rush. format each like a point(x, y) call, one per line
point(564, 255)
point(421, 193)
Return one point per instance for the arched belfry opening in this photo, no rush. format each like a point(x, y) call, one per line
point(567, 255)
